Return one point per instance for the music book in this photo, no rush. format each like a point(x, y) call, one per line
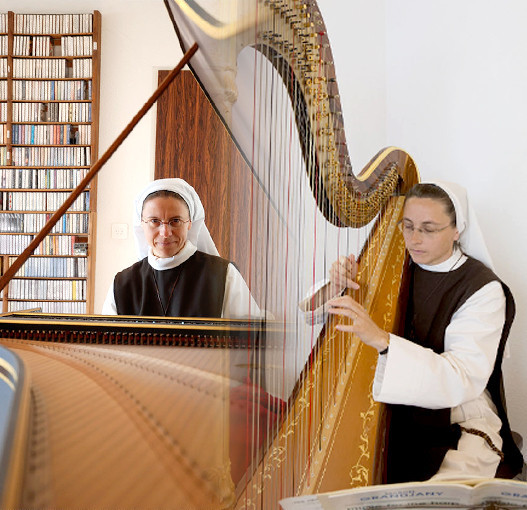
point(488, 494)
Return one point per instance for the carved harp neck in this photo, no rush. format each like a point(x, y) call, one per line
point(292, 36)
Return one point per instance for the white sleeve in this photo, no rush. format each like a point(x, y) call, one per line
point(413, 375)
point(109, 307)
point(237, 300)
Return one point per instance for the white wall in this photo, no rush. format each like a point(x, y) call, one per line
point(357, 36)
point(456, 96)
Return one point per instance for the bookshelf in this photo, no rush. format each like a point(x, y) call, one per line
point(49, 116)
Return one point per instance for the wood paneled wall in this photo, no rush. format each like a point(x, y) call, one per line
point(192, 143)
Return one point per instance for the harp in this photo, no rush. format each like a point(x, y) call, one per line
point(267, 66)
point(302, 402)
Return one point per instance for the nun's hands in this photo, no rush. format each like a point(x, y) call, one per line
point(362, 325)
point(343, 273)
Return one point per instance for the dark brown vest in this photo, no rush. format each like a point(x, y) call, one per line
point(198, 288)
point(419, 438)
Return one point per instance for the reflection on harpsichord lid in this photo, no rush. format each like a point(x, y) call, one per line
point(198, 234)
point(179, 273)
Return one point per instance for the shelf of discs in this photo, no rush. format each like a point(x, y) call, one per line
point(49, 115)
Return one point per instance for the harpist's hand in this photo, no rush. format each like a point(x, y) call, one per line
point(362, 325)
point(343, 273)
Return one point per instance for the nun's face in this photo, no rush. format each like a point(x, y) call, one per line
point(428, 231)
point(166, 223)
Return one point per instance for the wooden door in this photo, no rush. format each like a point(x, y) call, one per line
point(192, 143)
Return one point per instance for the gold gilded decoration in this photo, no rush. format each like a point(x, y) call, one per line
point(384, 310)
point(360, 472)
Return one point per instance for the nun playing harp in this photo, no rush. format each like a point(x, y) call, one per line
point(442, 376)
point(179, 272)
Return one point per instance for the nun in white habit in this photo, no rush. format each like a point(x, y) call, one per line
point(179, 272)
point(436, 374)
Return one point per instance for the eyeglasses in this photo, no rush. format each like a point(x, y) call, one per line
point(174, 223)
point(426, 231)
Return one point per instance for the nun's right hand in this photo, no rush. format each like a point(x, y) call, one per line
point(343, 273)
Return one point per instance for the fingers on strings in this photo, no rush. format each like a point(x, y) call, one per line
point(344, 272)
point(347, 307)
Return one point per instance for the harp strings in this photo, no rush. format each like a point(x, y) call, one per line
point(292, 248)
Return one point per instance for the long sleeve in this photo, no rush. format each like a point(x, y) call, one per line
point(238, 302)
point(109, 307)
point(413, 375)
